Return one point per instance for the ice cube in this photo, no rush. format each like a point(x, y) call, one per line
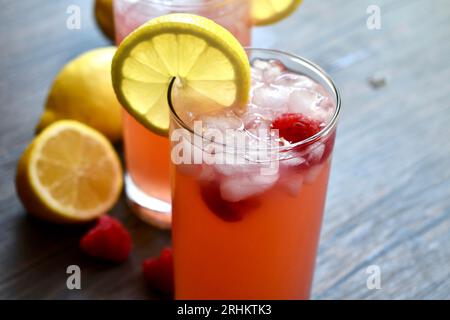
point(222, 121)
point(294, 81)
point(270, 69)
point(307, 96)
point(292, 183)
point(327, 109)
point(257, 75)
point(304, 102)
point(233, 169)
point(217, 128)
point(313, 173)
point(264, 156)
point(261, 64)
point(315, 152)
point(236, 140)
point(271, 97)
point(272, 73)
point(238, 188)
point(295, 161)
point(274, 63)
point(255, 120)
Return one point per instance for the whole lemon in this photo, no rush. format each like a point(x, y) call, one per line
point(104, 16)
point(83, 91)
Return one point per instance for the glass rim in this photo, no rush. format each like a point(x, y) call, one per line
point(189, 6)
point(300, 60)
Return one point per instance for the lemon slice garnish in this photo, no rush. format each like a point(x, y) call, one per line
point(266, 12)
point(208, 62)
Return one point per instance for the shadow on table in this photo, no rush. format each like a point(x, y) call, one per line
point(36, 269)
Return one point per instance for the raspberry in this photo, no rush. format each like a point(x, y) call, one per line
point(159, 271)
point(108, 240)
point(227, 211)
point(295, 127)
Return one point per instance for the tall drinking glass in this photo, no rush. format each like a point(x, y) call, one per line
point(246, 229)
point(147, 182)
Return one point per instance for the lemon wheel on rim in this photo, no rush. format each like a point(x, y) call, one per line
point(208, 62)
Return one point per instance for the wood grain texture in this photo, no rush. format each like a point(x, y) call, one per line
point(389, 196)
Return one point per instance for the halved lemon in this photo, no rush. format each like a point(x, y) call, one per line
point(208, 62)
point(266, 12)
point(70, 173)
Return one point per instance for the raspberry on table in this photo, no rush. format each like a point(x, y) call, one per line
point(158, 271)
point(108, 240)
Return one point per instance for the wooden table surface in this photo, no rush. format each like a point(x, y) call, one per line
point(389, 196)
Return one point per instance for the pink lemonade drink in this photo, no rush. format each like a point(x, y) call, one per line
point(146, 153)
point(247, 216)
